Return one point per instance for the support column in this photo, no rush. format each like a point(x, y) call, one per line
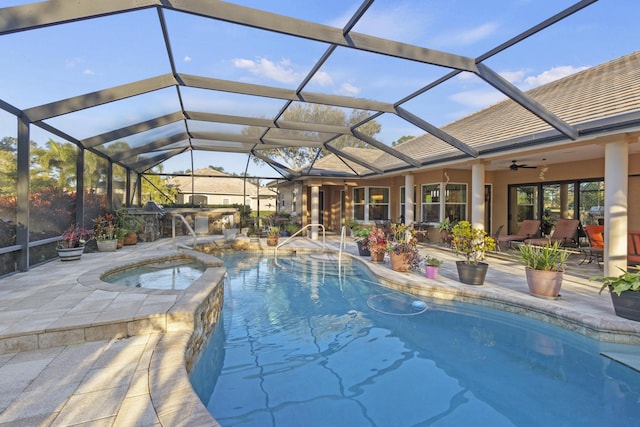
point(80, 188)
point(22, 204)
point(477, 195)
point(616, 171)
point(408, 199)
point(315, 210)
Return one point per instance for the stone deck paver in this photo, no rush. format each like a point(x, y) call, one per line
point(56, 367)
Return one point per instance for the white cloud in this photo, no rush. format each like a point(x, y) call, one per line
point(89, 72)
point(468, 37)
point(187, 58)
point(513, 76)
point(73, 62)
point(554, 73)
point(322, 78)
point(478, 99)
point(349, 89)
point(402, 21)
point(281, 72)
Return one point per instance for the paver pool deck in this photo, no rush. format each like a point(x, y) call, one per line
point(61, 366)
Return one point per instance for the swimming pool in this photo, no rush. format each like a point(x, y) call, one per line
point(303, 347)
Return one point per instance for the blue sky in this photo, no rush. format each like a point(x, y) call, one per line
point(64, 61)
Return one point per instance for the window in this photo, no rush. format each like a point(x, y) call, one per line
point(455, 202)
point(431, 203)
point(591, 202)
point(370, 203)
point(358, 203)
point(226, 201)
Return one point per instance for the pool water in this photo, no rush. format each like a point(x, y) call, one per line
point(303, 346)
point(175, 275)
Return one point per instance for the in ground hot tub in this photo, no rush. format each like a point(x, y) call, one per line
point(174, 274)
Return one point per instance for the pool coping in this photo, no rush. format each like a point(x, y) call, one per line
point(172, 397)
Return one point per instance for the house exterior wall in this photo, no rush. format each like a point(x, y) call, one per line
point(499, 181)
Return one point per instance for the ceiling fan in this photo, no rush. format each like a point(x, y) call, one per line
point(514, 166)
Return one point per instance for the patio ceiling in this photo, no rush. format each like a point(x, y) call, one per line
point(162, 110)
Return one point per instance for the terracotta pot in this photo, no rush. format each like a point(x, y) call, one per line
point(399, 261)
point(272, 241)
point(472, 274)
point(120, 244)
point(131, 238)
point(544, 283)
point(70, 254)
point(377, 256)
point(431, 271)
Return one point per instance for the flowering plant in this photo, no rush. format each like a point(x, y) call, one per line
point(274, 232)
point(377, 241)
point(74, 237)
point(471, 242)
point(403, 240)
point(104, 227)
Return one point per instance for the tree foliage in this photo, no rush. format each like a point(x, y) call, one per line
point(402, 139)
point(295, 157)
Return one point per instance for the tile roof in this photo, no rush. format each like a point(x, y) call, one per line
point(602, 91)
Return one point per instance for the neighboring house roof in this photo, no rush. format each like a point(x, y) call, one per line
point(211, 181)
point(607, 90)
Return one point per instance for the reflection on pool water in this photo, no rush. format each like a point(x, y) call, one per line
point(303, 347)
point(174, 275)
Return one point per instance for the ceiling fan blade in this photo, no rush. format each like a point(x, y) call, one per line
point(527, 167)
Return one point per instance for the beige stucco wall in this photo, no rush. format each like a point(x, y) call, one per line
point(499, 181)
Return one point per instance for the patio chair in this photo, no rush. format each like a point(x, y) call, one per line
point(528, 229)
point(633, 248)
point(496, 235)
point(595, 251)
point(565, 233)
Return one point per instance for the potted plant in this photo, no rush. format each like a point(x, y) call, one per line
point(272, 236)
point(544, 267)
point(546, 224)
point(105, 232)
point(625, 293)
point(472, 243)
point(403, 248)
point(377, 241)
point(431, 265)
point(445, 228)
point(361, 236)
point(71, 244)
point(229, 231)
point(127, 227)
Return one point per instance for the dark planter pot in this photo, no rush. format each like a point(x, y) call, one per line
point(472, 274)
point(627, 305)
point(272, 241)
point(363, 248)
